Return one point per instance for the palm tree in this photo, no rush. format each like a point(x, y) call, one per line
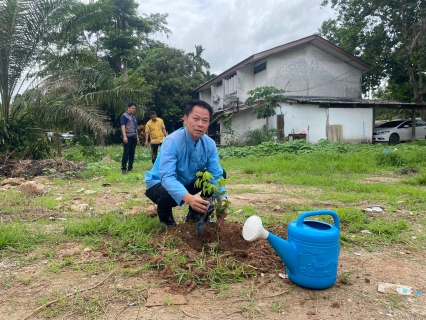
point(199, 62)
point(25, 27)
point(82, 96)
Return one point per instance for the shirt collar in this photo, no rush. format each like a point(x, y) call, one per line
point(189, 140)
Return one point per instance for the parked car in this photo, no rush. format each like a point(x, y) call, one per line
point(398, 130)
point(68, 136)
point(50, 136)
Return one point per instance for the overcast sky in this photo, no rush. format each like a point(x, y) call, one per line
point(232, 30)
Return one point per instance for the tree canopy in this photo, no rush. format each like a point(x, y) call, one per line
point(265, 99)
point(389, 34)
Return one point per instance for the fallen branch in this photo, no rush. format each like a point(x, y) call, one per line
point(189, 314)
point(68, 295)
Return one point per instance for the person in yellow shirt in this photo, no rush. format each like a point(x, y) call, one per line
point(156, 129)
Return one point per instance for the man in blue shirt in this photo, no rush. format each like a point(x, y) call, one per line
point(129, 133)
point(183, 153)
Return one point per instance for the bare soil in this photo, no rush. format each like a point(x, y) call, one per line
point(34, 288)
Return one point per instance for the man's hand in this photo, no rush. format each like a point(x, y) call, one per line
point(196, 202)
point(146, 143)
point(125, 140)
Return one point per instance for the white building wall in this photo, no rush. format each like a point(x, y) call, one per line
point(356, 123)
point(244, 82)
point(242, 122)
point(310, 72)
point(260, 79)
point(206, 95)
point(310, 118)
point(216, 97)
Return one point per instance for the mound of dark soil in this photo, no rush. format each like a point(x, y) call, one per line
point(226, 242)
point(32, 168)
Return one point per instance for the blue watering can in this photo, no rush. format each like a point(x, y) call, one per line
point(312, 251)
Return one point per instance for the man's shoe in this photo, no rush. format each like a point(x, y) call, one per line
point(124, 171)
point(130, 169)
point(169, 224)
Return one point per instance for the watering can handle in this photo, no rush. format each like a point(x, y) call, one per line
point(318, 213)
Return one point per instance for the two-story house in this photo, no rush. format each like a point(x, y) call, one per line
point(314, 73)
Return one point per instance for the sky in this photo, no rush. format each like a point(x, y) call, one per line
point(233, 30)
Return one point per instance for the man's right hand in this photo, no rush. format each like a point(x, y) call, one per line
point(125, 140)
point(196, 202)
point(146, 144)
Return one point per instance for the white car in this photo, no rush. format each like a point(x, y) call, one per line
point(50, 135)
point(68, 135)
point(398, 130)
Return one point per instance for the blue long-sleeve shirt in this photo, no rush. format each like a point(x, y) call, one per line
point(179, 160)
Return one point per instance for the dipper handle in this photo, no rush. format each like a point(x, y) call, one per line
point(318, 213)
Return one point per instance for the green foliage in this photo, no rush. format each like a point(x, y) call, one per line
point(120, 31)
point(170, 72)
point(391, 158)
point(20, 139)
point(266, 100)
point(205, 181)
point(199, 62)
point(231, 136)
point(393, 228)
point(15, 235)
point(88, 148)
point(389, 36)
point(256, 137)
point(131, 232)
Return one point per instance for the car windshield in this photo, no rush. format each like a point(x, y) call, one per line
point(391, 124)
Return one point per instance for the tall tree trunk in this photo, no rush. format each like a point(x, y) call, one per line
point(5, 108)
point(125, 72)
point(57, 144)
point(418, 89)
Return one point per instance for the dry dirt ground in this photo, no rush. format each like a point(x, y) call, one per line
point(31, 290)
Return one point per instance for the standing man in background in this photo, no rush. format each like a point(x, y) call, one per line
point(155, 128)
point(130, 137)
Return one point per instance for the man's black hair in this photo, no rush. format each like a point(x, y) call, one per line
point(131, 104)
point(199, 103)
point(152, 113)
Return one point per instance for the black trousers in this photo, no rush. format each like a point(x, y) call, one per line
point(154, 150)
point(129, 153)
point(159, 195)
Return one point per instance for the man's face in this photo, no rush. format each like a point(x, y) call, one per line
point(153, 117)
point(197, 122)
point(131, 110)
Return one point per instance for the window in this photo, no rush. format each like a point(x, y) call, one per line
point(219, 83)
point(260, 67)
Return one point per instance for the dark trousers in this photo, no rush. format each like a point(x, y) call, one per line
point(154, 150)
point(159, 195)
point(129, 153)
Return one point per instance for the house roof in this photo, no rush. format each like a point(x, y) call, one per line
point(330, 103)
point(355, 103)
point(314, 40)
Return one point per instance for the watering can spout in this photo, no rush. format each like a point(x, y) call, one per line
point(253, 229)
point(286, 250)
